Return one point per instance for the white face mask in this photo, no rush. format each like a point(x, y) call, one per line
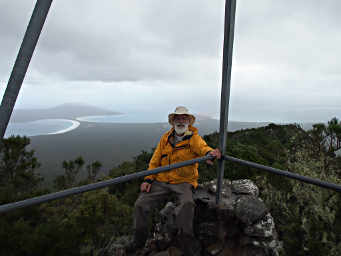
point(180, 128)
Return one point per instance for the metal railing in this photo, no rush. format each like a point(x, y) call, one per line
point(29, 43)
point(20, 68)
point(287, 174)
point(94, 186)
point(77, 190)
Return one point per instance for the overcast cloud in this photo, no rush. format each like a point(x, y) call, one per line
point(152, 55)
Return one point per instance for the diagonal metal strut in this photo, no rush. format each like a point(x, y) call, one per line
point(90, 187)
point(22, 62)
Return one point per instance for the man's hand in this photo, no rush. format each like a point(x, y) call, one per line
point(216, 153)
point(145, 187)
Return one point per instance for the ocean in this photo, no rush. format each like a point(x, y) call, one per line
point(126, 118)
point(58, 126)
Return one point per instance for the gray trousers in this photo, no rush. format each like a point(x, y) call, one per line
point(158, 193)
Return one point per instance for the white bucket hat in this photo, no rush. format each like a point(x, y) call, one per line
point(180, 110)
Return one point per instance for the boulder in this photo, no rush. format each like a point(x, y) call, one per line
point(241, 225)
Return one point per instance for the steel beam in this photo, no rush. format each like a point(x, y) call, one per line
point(291, 175)
point(230, 11)
point(77, 190)
point(98, 185)
point(22, 62)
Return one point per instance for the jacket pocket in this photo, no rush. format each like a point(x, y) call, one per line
point(164, 160)
point(186, 172)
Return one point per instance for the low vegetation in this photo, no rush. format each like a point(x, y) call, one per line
point(308, 218)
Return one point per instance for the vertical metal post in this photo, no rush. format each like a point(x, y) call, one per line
point(230, 11)
point(20, 67)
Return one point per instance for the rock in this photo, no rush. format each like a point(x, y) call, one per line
point(211, 186)
point(250, 209)
point(168, 219)
point(265, 227)
point(240, 225)
point(246, 187)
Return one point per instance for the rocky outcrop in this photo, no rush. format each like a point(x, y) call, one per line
point(241, 225)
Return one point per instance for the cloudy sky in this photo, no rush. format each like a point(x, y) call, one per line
point(152, 55)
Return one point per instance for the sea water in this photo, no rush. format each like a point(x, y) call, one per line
point(56, 126)
point(126, 118)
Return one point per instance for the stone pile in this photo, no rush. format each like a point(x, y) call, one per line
point(241, 225)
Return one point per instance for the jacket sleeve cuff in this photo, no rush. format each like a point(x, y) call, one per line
point(149, 181)
point(208, 151)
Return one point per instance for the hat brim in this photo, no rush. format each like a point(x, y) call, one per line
point(171, 118)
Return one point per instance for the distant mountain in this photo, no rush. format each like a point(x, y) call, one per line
point(64, 111)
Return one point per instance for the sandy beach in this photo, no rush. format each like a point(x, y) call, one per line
point(74, 125)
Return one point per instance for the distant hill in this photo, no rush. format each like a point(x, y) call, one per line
point(64, 111)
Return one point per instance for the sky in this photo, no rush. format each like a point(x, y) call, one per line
point(151, 56)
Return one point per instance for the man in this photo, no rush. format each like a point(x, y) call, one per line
point(179, 144)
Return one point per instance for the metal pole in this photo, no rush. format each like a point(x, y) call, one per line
point(291, 175)
point(27, 47)
point(77, 190)
point(73, 191)
point(230, 11)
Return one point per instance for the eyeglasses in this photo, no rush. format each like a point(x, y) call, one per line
point(181, 118)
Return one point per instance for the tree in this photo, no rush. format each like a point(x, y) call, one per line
point(18, 176)
point(338, 135)
point(93, 169)
point(319, 135)
point(71, 170)
point(331, 131)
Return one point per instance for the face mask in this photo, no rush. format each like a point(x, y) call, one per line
point(180, 128)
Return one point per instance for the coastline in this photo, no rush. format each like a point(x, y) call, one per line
point(33, 128)
point(74, 125)
point(88, 118)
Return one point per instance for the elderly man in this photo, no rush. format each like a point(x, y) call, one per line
point(179, 144)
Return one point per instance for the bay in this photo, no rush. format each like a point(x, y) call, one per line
point(41, 127)
point(126, 118)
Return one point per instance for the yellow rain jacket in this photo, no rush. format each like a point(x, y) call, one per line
point(166, 153)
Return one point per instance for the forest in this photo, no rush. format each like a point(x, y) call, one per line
point(308, 218)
